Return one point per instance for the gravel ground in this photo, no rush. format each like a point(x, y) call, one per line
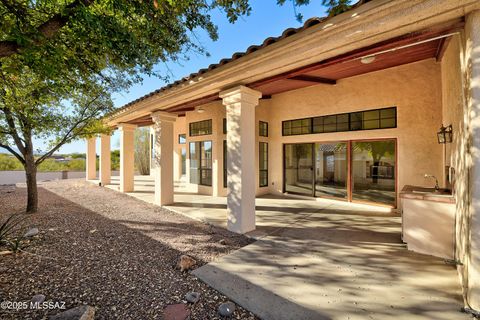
point(111, 251)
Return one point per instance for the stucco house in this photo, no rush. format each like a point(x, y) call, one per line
point(356, 107)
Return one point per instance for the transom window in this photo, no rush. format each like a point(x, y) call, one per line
point(200, 128)
point(362, 120)
point(201, 163)
point(263, 129)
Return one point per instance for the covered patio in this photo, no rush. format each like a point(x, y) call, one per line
point(320, 259)
point(351, 107)
point(272, 212)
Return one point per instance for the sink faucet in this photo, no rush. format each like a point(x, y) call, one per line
point(437, 187)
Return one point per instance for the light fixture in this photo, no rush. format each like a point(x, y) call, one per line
point(367, 59)
point(445, 135)
point(200, 110)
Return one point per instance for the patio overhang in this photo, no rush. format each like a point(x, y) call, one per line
point(322, 53)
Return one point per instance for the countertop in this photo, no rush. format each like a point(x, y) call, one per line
point(428, 194)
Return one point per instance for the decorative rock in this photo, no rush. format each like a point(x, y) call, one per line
point(31, 233)
point(192, 297)
point(186, 263)
point(176, 312)
point(226, 309)
point(38, 298)
point(78, 313)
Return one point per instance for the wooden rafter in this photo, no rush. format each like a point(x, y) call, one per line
point(314, 79)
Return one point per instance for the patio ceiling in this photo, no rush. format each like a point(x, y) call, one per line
point(417, 46)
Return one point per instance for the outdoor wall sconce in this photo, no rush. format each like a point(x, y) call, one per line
point(445, 134)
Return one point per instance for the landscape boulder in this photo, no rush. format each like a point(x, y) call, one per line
point(78, 313)
point(32, 232)
point(226, 309)
point(192, 297)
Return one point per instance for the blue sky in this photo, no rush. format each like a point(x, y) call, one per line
point(266, 19)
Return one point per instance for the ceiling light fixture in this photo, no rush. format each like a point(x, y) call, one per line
point(367, 59)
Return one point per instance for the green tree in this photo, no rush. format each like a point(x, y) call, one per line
point(61, 60)
point(142, 150)
point(115, 157)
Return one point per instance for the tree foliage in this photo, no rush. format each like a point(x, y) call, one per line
point(60, 62)
point(334, 7)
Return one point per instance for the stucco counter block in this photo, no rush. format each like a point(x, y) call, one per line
point(428, 222)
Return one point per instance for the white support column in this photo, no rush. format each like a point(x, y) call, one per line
point(105, 160)
point(240, 103)
point(127, 152)
point(217, 157)
point(472, 36)
point(91, 159)
point(163, 126)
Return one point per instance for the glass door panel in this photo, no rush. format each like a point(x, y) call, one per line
point(331, 170)
point(373, 171)
point(299, 168)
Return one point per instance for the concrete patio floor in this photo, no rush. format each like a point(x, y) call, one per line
point(322, 260)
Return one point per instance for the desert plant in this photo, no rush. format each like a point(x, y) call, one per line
point(17, 244)
point(8, 226)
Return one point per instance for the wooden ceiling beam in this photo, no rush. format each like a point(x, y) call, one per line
point(313, 79)
point(442, 47)
point(370, 50)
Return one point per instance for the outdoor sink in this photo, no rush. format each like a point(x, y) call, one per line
point(433, 192)
point(430, 194)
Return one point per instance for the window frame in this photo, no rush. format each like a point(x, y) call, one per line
point(208, 128)
point(260, 133)
point(184, 136)
point(199, 147)
point(262, 183)
point(317, 124)
point(225, 173)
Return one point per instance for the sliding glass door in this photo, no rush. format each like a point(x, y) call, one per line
point(331, 170)
point(299, 168)
point(373, 171)
point(362, 171)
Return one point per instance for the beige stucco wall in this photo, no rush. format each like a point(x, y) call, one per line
point(178, 128)
point(457, 153)
point(414, 89)
point(216, 111)
point(461, 78)
point(460, 105)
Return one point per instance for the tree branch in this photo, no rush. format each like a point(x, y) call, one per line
point(14, 134)
point(66, 137)
point(10, 149)
point(48, 29)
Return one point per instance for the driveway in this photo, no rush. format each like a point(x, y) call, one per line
point(334, 260)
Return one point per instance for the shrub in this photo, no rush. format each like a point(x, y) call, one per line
point(9, 163)
point(10, 225)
